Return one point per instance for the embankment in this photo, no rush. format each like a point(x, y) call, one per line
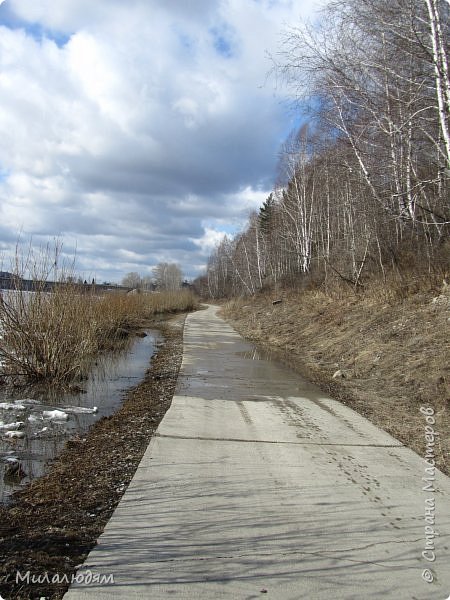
point(385, 360)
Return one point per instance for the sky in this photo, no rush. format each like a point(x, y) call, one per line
point(138, 131)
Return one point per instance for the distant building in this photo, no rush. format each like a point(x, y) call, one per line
point(6, 280)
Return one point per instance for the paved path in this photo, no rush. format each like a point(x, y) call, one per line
point(258, 486)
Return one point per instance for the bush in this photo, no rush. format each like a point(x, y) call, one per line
point(52, 332)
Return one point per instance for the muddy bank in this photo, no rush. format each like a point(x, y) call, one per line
point(44, 417)
point(384, 360)
point(52, 525)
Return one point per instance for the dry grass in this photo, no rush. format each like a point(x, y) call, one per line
point(168, 302)
point(53, 335)
point(46, 335)
point(394, 353)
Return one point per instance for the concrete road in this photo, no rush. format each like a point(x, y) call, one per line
point(259, 486)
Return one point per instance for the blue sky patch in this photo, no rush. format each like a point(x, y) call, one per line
point(186, 41)
point(223, 41)
point(35, 30)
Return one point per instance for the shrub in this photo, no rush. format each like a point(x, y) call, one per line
point(52, 332)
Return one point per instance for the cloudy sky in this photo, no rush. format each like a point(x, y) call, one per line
point(138, 131)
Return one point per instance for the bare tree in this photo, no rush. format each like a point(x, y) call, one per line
point(368, 179)
point(132, 280)
point(168, 276)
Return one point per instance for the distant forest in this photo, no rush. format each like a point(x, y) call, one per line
point(362, 190)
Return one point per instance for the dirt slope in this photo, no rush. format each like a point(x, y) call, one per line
point(384, 360)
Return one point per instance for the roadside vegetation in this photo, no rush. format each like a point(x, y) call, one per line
point(52, 524)
point(51, 334)
point(384, 359)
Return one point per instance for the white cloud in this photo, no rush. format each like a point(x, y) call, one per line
point(138, 130)
point(209, 240)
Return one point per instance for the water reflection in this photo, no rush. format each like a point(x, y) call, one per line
point(36, 422)
point(257, 354)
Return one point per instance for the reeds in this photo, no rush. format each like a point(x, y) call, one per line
point(45, 335)
point(168, 302)
point(53, 332)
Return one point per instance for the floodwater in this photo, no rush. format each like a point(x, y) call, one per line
point(36, 423)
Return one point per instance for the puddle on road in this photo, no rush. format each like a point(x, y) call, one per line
point(257, 354)
point(278, 365)
point(50, 417)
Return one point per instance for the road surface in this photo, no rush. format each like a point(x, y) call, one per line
point(257, 485)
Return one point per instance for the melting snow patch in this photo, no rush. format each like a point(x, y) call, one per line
point(80, 410)
point(11, 406)
point(11, 459)
point(34, 419)
point(12, 426)
point(14, 434)
point(55, 415)
point(41, 431)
